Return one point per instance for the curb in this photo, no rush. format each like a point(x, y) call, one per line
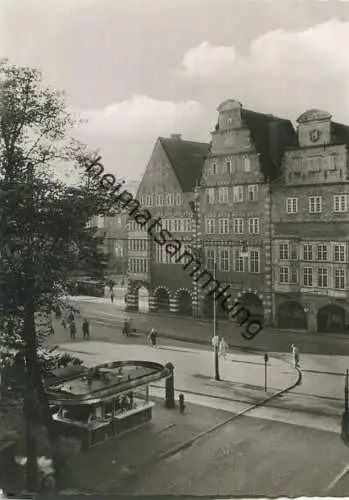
point(190, 442)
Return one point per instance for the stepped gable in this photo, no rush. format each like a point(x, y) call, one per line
point(187, 159)
point(271, 136)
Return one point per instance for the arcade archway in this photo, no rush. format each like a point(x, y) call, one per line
point(185, 304)
point(291, 315)
point(254, 305)
point(331, 319)
point(162, 298)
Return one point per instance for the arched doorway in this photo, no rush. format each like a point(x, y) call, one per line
point(143, 299)
point(331, 319)
point(162, 298)
point(291, 315)
point(185, 305)
point(254, 305)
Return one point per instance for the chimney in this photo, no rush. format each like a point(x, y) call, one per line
point(178, 137)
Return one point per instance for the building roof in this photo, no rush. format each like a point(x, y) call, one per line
point(187, 159)
point(104, 381)
point(339, 133)
point(271, 136)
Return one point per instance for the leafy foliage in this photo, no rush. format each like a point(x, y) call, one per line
point(45, 238)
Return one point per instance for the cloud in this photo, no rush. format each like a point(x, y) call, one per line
point(283, 71)
point(143, 117)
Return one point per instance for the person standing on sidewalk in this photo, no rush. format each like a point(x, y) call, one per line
point(72, 328)
point(112, 297)
point(295, 355)
point(222, 348)
point(153, 337)
point(86, 329)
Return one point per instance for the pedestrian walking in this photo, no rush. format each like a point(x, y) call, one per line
point(222, 348)
point(64, 323)
point(112, 297)
point(295, 355)
point(72, 328)
point(71, 317)
point(153, 337)
point(86, 329)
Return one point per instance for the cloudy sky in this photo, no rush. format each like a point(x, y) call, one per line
point(138, 69)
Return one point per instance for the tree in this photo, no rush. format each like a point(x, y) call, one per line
point(43, 227)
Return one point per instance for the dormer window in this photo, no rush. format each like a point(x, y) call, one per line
point(247, 165)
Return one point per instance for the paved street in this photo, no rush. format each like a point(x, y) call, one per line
point(280, 443)
point(269, 340)
point(242, 374)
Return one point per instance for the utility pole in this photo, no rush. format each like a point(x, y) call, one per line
point(215, 330)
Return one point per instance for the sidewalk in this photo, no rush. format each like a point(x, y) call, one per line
point(200, 332)
point(242, 375)
point(103, 469)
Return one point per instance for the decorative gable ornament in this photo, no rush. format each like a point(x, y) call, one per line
point(314, 135)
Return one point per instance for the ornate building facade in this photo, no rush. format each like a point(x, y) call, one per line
point(166, 190)
point(311, 228)
point(266, 208)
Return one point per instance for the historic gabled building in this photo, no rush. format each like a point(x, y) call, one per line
point(166, 189)
point(115, 244)
point(311, 228)
point(234, 204)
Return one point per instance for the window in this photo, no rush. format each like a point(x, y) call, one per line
point(247, 164)
point(322, 252)
point(238, 226)
point(223, 194)
point(228, 166)
point(210, 226)
point(159, 200)
point(210, 258)
point(178, 199)
point(322, 277)
point(294, 275)
point(308, 252)
point(149, 200)
point(238, 193)
point(283, 251)
point(339, 279)
point(308, 276)
point(210, 195)
point(224, 259)
point(339, 253)
point(340, 203)
point(238, 261)
point(283, 275)
point(186, 225)
point(118, 249)
point(254, 261)
point(253, 192)
point(294, 252)
point(223, 226)
point(214, 168)
point(170, 199)
point(315, 204)
point(291, 205)
point(253, 226)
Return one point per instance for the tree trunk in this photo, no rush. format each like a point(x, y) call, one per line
point(31, 400)
point(51, 434)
